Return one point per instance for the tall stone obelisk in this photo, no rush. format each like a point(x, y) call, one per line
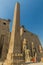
point(14, 46)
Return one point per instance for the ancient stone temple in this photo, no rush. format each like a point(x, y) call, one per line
point(19, 46)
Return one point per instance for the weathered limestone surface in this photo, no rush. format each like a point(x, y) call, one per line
point(14, 52)
point(19, 46)
point(4, 38)
point(27, 55)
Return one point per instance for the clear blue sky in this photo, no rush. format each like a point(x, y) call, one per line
point(31, 14)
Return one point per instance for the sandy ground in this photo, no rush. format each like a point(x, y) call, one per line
point(35, 64)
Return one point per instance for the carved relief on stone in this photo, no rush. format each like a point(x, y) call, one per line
point(1, 44)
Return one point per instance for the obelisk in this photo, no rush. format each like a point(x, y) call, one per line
point(14, 45)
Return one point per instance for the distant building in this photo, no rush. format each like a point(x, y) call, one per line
point(19, 46)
